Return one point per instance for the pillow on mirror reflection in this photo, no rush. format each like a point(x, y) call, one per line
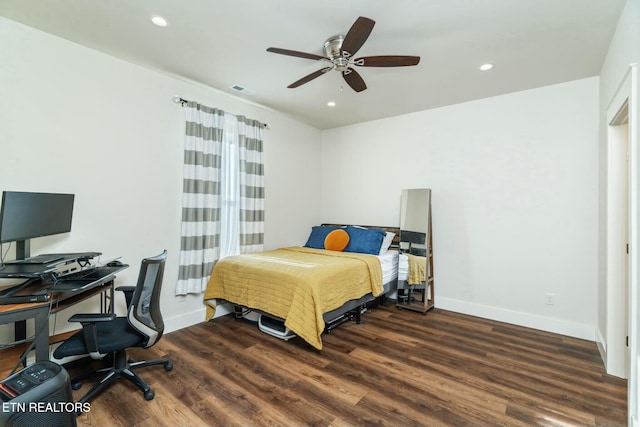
point(337, 240)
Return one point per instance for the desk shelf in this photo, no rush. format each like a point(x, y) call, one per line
point(10, 356)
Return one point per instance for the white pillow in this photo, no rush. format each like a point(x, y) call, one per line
point(386, 242)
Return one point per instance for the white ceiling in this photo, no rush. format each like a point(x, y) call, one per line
point(221, 43)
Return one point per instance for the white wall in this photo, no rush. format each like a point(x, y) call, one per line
point(75, 120)
point(623, 51)
point(515, 200)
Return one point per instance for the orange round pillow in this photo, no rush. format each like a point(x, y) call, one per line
point(337, 240)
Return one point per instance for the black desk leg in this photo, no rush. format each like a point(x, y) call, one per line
point(20, 330)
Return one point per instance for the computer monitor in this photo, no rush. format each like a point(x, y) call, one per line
point(25, 216)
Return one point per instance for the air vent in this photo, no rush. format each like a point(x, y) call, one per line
point(242, 89)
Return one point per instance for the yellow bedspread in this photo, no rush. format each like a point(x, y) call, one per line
point(297, 284)
point(417, 269)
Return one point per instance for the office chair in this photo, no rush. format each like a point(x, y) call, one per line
point(104, 334)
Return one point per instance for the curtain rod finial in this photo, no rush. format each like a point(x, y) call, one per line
point(179, 100)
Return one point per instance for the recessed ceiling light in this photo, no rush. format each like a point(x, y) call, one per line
point(331, 104)
point(486, 67)
point(159, 21)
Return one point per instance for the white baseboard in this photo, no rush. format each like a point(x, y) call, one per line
point(602, 346)
point(549, 324)
point(192, 318)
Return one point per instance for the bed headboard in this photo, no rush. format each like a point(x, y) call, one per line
point(396, 230)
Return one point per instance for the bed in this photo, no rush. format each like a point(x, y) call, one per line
point(312, 289)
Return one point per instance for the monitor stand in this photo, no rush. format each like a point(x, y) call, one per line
point(23, 249)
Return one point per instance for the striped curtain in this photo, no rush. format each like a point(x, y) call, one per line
point(203, 194)
point(251, 185)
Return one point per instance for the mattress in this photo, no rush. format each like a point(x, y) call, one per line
point(389, 264)
point(403, 268)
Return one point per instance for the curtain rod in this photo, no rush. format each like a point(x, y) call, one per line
point(179, 100)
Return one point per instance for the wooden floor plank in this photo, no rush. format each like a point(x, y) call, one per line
point(395, 368)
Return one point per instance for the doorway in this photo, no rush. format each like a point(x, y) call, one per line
point(617, 355)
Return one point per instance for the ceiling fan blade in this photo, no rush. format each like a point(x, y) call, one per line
point(295, 53)
point(308, 78)
point(354, 80)
point(357, 35)
point(387, 61)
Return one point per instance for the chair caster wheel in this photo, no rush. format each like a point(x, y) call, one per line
point(76, 386)
point(149, 395)
point(168, 366)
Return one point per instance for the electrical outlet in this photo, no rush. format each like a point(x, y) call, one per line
point(549, 299)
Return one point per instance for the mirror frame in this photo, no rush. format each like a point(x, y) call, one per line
point(417, 297)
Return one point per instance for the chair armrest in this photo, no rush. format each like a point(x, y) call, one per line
point(92, 317)
point(90, 331)
point(128, 293)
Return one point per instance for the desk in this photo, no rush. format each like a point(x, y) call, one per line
point(41, 311)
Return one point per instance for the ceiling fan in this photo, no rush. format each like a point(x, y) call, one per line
point(339, 52)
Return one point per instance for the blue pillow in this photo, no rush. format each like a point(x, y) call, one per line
point(317, 236)
point(365, 241)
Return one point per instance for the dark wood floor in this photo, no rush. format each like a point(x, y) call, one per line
point(397, 368)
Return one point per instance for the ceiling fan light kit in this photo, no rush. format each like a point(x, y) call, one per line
point(339, 51)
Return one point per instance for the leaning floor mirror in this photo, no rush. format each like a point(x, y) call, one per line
point(415, 267)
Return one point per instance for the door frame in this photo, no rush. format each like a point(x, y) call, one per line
point(617, 236)
point(622, 304)
point(634, 245)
